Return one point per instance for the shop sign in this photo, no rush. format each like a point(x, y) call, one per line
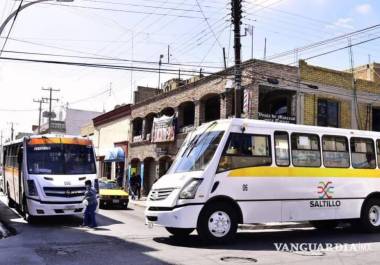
point(277, 118)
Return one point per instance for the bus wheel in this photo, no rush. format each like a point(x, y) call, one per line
point(179, 232)
point(324, 224)
point(27, 217)
point(370, 217)
point(217, 223)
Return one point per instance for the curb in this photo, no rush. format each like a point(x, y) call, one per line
point(274, 226)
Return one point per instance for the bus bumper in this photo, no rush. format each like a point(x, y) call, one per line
point(180, 217)
point(40, 208)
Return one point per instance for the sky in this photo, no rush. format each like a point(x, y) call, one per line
point(195, 30)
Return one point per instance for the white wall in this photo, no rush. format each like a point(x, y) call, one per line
point(75, 119)
point(107, 134)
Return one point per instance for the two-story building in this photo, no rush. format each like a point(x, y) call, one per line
point(305, 95)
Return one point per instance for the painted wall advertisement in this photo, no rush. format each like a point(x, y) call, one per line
point(163, 129)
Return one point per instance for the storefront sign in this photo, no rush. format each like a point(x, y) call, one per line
point(163, 129)
point(277, 118)
point(160, 151)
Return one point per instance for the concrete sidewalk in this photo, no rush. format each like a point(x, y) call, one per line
point(273, 225)
point(6, 214)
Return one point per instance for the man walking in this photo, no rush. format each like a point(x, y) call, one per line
point(91, 204)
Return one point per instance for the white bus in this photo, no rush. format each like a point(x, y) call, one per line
point(241, 171)
point(45, 174)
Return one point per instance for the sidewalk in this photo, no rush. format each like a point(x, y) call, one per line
point(6, 214)
point(273, 225)
point(139, 203)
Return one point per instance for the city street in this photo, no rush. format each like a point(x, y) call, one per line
point(122, 238)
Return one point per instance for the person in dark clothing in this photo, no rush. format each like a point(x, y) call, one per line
point(138, 186)
point(132, 186)
point(91, 203)
point(119, 176)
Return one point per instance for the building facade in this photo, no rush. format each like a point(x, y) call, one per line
point(305, 94)
point(111, 138)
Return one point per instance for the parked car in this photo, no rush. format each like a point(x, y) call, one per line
point(110, 193)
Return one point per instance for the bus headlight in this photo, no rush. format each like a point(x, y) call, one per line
point(188, 192)
point(32, 190)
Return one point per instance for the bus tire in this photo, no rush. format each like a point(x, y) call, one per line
point(324, 224)
point(27, 216)
point(370, 216)
point(179, 232)
point(11, 203)
point(217, 223)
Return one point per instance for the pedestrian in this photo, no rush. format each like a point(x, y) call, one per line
point(119, 176)
point(138, 186)
point(91, 203)
point(132, 186)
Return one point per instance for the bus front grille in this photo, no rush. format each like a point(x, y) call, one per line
point(66, 192)
point(160, 194)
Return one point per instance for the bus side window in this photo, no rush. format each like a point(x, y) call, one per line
point(362, 153)
point(245, 150)
point(281, 147)
point(335, 151)
point(306, 150)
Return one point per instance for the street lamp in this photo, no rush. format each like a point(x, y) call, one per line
point(13, 14)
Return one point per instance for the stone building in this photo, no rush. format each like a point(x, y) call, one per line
point(305, 95)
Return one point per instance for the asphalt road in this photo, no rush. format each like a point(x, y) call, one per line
point(122, 238)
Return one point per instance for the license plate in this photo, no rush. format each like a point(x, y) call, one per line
point(115, 201)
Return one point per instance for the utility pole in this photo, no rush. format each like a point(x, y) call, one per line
point(236, 20)
point(12, 131)
point(40, 101)
point(159, 70)
point(224, 58)
point(265, 49)
point(168, 54)
point(50, 99)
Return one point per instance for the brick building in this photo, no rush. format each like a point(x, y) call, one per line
point(305, 95)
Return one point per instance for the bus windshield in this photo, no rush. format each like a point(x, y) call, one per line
point(60, 159)
point(196, 152)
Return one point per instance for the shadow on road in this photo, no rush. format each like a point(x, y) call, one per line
point(264, 240)
point(57, 240)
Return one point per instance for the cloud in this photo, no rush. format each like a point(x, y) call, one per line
point(363, 8)
point(342, 23)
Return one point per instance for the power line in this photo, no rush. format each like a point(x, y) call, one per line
point(106, 66)
point(208, 24)
point(142, 5)
point(107, 59)
point(123, 10)
point(324, 42)
point(10, 30)
point(342, 48)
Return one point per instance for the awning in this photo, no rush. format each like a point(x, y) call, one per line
point(115, 154)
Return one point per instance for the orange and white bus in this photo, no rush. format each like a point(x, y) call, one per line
point(45, 174)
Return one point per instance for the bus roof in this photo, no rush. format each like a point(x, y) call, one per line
point(249, 123)
point(52, 138)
